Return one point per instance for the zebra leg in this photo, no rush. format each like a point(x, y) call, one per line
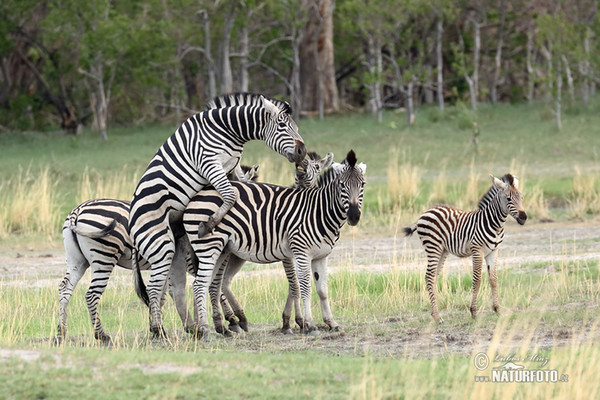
point(292, 299)
point(490, 260)
point(435, 260)
point(234, 265)
point(76, 267)
point(100, 275)
point(177, 281)
point(161, 250)
point(214, 292)
point(217, 177)
point(303, 272)
point(319, 269)
point(477, 261)
point(204, 277)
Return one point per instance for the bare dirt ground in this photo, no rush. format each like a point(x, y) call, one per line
point(533, 243)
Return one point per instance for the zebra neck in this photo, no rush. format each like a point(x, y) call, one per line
point(335, 213)
point(494, 214)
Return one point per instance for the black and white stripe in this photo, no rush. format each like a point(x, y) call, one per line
point(445, 230)
point(95, 235)
point(206, 148)
point(268, 223)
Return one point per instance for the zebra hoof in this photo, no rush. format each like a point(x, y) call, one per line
point(206, 227)
point(158, 332)
point(244, 326)
point(312, 331)
point(235, 328)
point(103, 337)
point(286, 331)
point(336, 328)
point(201, 333)
point(57, 340)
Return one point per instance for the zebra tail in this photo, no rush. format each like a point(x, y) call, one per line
point(409, 230)
point(94, 235)
point(138, 282)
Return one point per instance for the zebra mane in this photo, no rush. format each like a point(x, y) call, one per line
point(237, 99)
point(491, 193)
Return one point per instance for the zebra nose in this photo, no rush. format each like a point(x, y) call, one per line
point(300, 151)
point(522, 217)
point(353, 214)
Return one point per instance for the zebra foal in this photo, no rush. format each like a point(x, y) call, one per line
point(445, 230)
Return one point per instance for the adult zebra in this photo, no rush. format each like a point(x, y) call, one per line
point(201, 152)
point(95, 236)
point(444, 230)
point(270, 223)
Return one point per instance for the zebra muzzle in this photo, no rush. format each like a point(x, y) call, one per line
point(299, 152)
point(521, 218)
point(353, 215)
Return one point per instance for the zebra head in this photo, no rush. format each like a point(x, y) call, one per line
point(281, 131)
point(308, 171)
point(510, 197)
point(351, 181)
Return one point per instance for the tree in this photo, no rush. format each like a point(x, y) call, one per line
point(317, 70)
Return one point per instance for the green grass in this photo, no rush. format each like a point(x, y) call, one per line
point(515, 138)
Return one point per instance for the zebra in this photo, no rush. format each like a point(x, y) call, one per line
point(269, 223)
point(445, 230)
point(95, 235)
point(307, 176)
point(202, 151)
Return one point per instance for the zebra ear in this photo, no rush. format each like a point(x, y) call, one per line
point(498, 183)
point(515, 183)
point(270, 107)
point(363, 167)
point(327, 161)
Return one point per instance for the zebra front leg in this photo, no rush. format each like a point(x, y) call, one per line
point(214, 292)
point(76, 269)
point(477, 261)
point(319, 269)
point(92, 297)
point(206, 269)
point(217, 177)
point(303, 271)
point(434, 264)
point(292, 299)
point(490, 260)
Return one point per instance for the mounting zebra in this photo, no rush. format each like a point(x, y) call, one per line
point(202, 151)
point(269, 223)
point(95, 235)
point(444, 230)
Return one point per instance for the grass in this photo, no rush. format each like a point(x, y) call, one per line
point(391, 348)
point(409, 168)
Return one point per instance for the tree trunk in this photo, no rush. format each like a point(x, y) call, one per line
point(410, 116)
point(584, 69)
point(296, 89)
point(476, 52)
point(245, 52)
point(212, 80)
point(530, 72)
point(319, 90)
point(440, 65)
point(569, 78)
point(498, 58)
point(558, 98)
point(227, 76)
point(374, 63)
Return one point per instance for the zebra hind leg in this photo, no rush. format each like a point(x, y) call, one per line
point(65, 291)
point(491, 264)
point(100, 277)
point(477, 261)
point(434, 264)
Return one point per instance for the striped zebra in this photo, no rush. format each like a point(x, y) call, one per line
point(307, 176)
point(444, 230)
point(201, 152)
point(95, 235)
point(269, 223)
